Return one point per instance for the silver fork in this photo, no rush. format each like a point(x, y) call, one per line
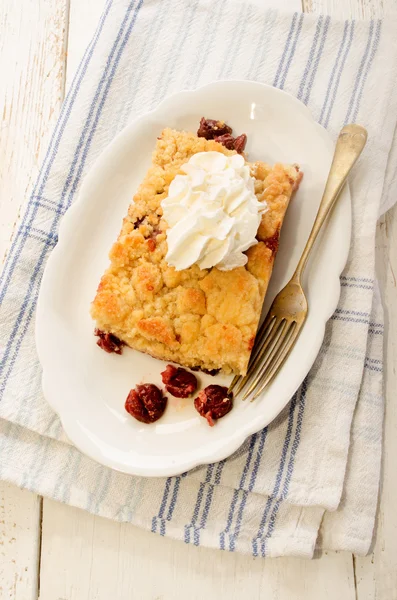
point(287, 314)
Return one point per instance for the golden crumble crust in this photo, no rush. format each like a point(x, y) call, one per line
point(198, 318)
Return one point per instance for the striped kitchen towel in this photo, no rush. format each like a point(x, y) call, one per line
point(312, 476)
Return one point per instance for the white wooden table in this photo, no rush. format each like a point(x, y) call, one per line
point(54, 552)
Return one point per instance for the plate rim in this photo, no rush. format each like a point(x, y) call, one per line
point(233, 442)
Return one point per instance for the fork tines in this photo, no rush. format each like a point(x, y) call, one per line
point(274, 341)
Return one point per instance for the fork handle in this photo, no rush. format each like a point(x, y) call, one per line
point(350, 144)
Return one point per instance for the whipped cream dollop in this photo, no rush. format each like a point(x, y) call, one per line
point(212, 213)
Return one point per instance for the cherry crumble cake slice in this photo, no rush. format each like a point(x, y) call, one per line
point(203, 318)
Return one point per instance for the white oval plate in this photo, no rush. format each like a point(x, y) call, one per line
point(86, 386)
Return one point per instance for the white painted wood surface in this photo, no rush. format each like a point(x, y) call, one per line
point(20, 521)
point(111, 561)
point(74, 555)
point(32, 68)
point(376, 575)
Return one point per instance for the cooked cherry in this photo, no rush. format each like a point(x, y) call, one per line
point(109, 342)
point(179, 382)
point(210, 128)
point(146, 403)
point(213, 402)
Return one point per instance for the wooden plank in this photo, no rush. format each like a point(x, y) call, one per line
point(102, 560)
point(32, 67)
point(20, 517)
point(376, 574)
